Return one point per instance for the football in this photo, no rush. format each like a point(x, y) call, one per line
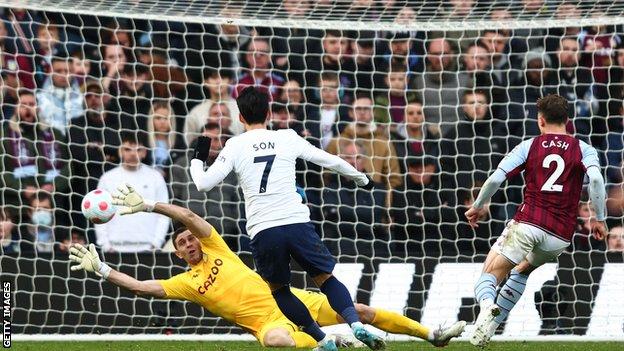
point(97, 206)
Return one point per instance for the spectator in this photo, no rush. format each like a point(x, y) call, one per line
point(228, 40)
point(18, 64)
point(390, 104)
point(216, 88)
point(536, 80)
point(60, 100)
point(402, 51)
point(565, 11)
point(420, 201)
point(9, 85)
point(330, 117)
point(9, 235)
point(80, 68)
point(165, 143)
point(366, 69)
point(615, 204)
point(221, 204)
point(385, 166)
point(70, 237)
point(292, 96)
point(259, 71)
point(615, 147)
point(283, 118)
point(132, 97)
point(93, 145)
point(575, 83)
point(148, 229)
point(24, 27)
point(615, 239)
point(597, 43)
point(497, 42)
point(414, 138)
point(38, 233)
point(440, 85)
point(477, 64)
point(94, 139)
point(614, 93)
point(333, 59)
point(46, 47)
point(34, 156)
point(114, 61)
point(348, 211)
point(582, 239)
point(474, 146)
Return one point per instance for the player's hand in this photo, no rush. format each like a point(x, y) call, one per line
point(202, 149)
point(473, 215)
point(130, 200)
point(89, 260)
point(599, 230)
point(369, 185)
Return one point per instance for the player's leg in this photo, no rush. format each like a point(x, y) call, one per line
point(547, 249)
point(270, 250)
point(287, 337)
point(514, 244)
point(387, 321)
point(510, 293)
point(310, 252)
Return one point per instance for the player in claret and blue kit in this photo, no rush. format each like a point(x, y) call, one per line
point(277, 220)
point(554, 165)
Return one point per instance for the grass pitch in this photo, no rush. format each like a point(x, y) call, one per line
point(252, 346)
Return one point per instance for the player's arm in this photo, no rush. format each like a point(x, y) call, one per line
point(89, 260)
point(222, 166)
point(508, 167)
point(133, 202)
point(325, 159)
point(597, 192)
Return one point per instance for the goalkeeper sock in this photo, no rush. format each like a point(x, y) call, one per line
point(297, 312)
point(485, 289)
point(395, 323)
point(509, 295)
point(303, 340)
point(340, 300)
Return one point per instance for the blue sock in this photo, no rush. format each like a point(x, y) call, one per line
point(340, 300)
point(485, 288)
point(509, 295)
point(297, 312)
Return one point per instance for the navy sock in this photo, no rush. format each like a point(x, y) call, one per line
point(340, 300)
point(297, 312)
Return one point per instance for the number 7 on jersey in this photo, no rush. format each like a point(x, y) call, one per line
point(267, 169)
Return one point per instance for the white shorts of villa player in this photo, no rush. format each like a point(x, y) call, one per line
point(522, 240)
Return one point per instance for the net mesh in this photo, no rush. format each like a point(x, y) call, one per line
point(440, 91)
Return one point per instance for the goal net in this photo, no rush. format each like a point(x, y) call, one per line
point(425, 96)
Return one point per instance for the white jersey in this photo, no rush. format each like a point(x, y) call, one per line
point(264, 161)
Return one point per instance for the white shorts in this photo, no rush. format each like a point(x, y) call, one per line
point(520, 240)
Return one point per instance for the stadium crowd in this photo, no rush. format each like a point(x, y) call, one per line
point(95, 101)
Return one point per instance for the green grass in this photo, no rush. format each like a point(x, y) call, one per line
point(223, 346)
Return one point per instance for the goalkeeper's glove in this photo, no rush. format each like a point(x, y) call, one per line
point(202, 149)
point(132, 201)
point(89, 260)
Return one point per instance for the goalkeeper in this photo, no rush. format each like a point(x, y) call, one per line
point(220, 282)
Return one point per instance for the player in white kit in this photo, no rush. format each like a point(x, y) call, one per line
point(277, 220)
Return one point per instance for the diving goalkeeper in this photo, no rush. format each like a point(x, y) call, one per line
point(220, 282)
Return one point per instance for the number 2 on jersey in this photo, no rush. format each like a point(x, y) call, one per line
point(267, 169)
point(550, 185)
